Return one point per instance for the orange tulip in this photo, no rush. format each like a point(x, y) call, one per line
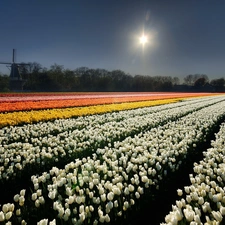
point(37, 101)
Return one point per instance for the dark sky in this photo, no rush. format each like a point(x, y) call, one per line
point(184, 36)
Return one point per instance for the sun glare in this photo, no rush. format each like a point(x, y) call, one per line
point(143, 39)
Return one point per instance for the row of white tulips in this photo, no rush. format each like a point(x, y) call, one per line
point(24, 133)
point(47, 149)
point(91, 133)
point(100, 188)
point(203, 201)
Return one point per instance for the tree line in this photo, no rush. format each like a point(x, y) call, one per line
point(85, 79)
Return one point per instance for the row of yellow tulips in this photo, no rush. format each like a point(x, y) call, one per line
point(24, 117)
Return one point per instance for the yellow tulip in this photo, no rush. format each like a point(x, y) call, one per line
point(25, 117)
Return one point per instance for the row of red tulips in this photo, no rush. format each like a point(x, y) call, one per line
point(26, 102)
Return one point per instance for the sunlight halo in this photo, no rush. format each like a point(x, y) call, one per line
point(143, 39)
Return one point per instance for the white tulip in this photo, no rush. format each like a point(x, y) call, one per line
point(91, 185)
point(107, 218)
point(91, 208)
point(179, 192)
point(140, 190)
point(22, 192)
point(36, 186)
point(103, 197)
point(217, 197)
point(18, 212)
point(206, 207)
point(192, 180)
point(179, 204)
point(41, 200)
point(5, 208)
point(171, 219)
point(23, 222)
point(101, 219)
point(71, 199)
point(194, 196)
point(78, 199)
point(200, 200)
point(2, 216)
point(16, 198)
point(91, 194)
point(116, 190)
point(203, 193)
point(222, 210)
point(125, 205)
point(197, 219)
point(189, 214)
point(186, 188)
point(213, 184)
point(115, 204)
point(37, 203)
point(52, 194)
point(67, 212)
point(95, 222)
point(193, 223)
point(109, 205)
point(132, 201)
point(95, 181)
point(39, 192)
point(34, 196)
point(82, 216)
point(43, 222)
point(21, 200)
point(217, 215)
point(158, 166)
point(53, 222)
point(110, 196)
point(178, 214)
point(188, 198)
point(75, 210)
point(126, 191)
point(137, 195)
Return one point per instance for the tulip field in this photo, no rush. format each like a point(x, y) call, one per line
point(112, 158)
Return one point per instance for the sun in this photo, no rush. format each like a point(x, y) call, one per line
point(143, 39)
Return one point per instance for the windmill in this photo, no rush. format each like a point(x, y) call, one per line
point(16, 81)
